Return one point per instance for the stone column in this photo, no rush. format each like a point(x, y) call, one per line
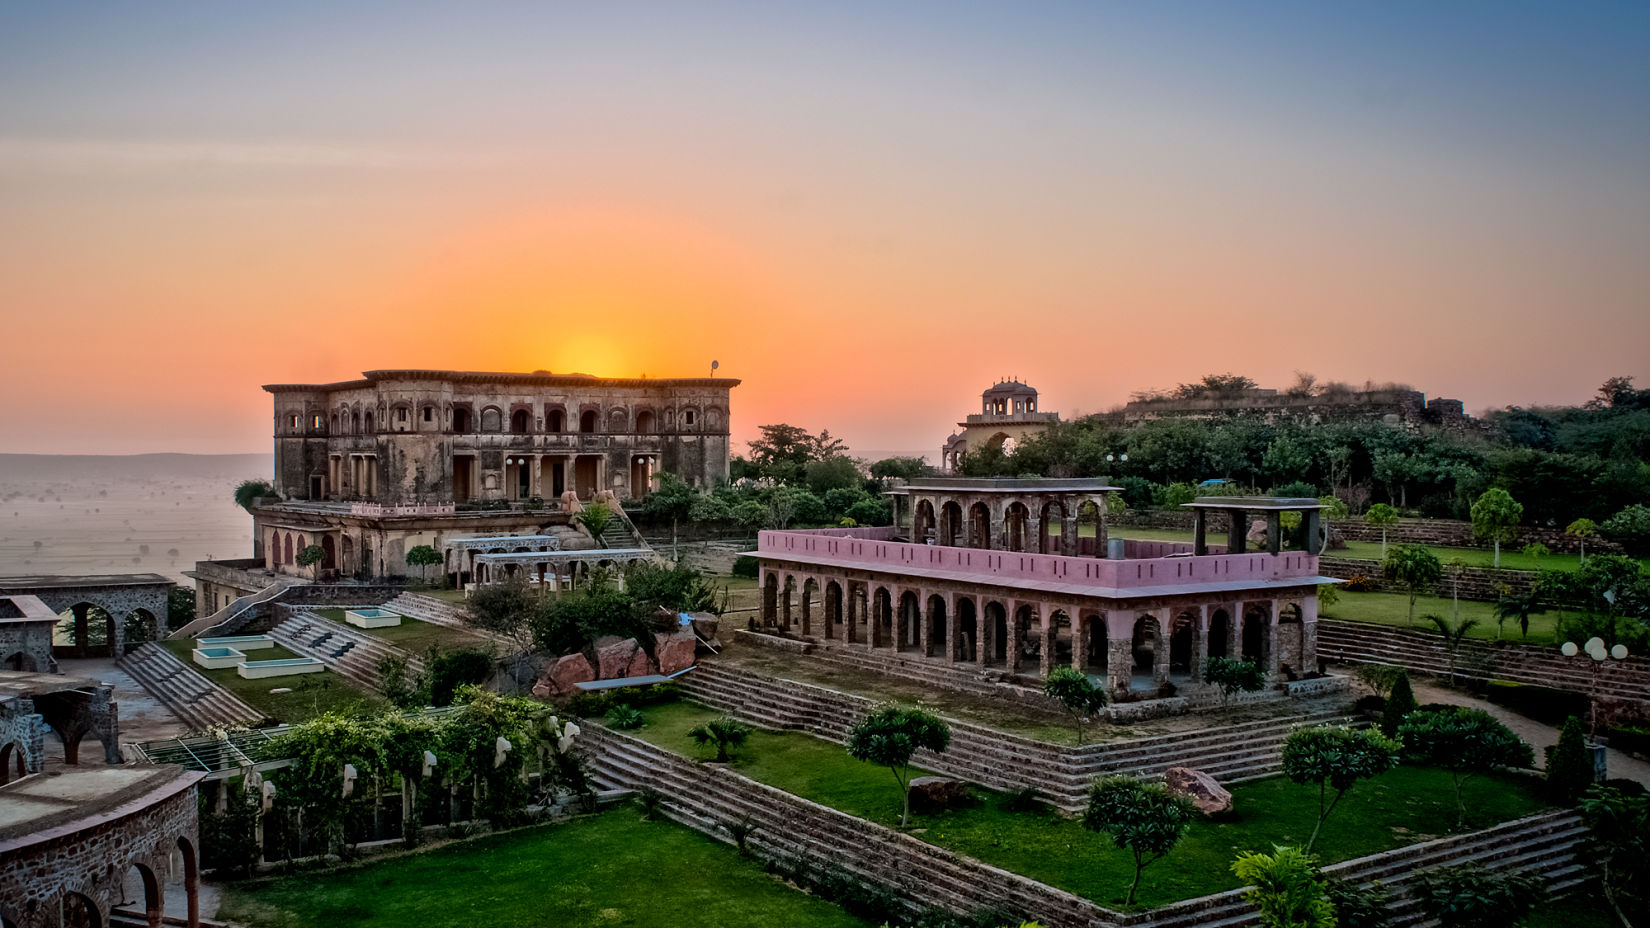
point(1269, 641)
point(1309, 634)
point(1100, 531)
point(1234, 629)
point(1045, 659)
point(1082, 636)
point(1200, 641)
point(1068, 526)
point(1200, 526)
point(850, 617)
point(985, 636)
point(785, 606)
point(1119, 654)
point(1274, 532)
point(1013, 623)
point(807, 607)
point(1237, 531)
point(1160, 652)
point(924, 644)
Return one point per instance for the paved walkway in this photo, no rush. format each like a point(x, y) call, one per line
point(142, 716)
point(1536, 733)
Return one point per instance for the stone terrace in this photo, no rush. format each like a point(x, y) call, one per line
point(199, 702)
point(706, 797)
point(347, 650)
point(1232, 752)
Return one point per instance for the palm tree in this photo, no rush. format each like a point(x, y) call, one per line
point(1453, 636)
point(1512, 606)
point(248, 492)
point(594, 518)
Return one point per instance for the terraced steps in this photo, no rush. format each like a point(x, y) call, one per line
point(200, 703)
point(1000, 760)
point(706, 797)
point(438, 612)
point(346, 650)
point(1359, 642)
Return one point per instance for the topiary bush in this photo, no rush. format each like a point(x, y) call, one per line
point(1569, 765)
point(1398, 705)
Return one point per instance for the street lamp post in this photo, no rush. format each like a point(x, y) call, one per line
point(1598, 653)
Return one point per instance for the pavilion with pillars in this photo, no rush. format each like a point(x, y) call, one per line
point(1136, 614)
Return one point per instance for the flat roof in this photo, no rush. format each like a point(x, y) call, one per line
point(24, 607)
point(67, 799)
point(1010, 484)
point(29, 685)
point(536, 378)
point(1291, 503)
point(64, 581)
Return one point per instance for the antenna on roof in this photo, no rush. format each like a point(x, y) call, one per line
point(713, 366)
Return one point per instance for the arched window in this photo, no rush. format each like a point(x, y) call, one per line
point(355, 422)
point(587, 420)
point(520, 422)
point(555, 421)
point(491, 419)
point(645, 422)
point(462, 419)
point(370, 429)
point(687, 417)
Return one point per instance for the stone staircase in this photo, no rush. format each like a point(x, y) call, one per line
point(707, 797)
point(1423, 652)
point(231, 618)
point(346, 650)
point(199, 702)
point(439, 612)
point(1231, 753)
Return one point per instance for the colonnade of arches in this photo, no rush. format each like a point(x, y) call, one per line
point(1130, 645)
point(145, 883)
point(1041, 524)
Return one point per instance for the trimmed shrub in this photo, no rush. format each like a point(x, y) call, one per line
point(1361, 584)
point(745, 566)
point(1537, 702)
point(1398, 705)
point(1569, 765)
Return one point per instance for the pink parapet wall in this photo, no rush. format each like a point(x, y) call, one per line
point(861, 546)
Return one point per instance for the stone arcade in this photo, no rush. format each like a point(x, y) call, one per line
point(1147, 615)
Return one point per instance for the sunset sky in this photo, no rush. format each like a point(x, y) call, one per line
point(868, 212)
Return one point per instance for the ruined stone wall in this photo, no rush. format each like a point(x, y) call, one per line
point(38, 871)
point(24, 730)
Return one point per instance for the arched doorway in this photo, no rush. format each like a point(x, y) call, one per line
point(1050, 539)
point(329, 553)
point(833, 608)
point(1017, 522)
point(922, 522)
point(950, 523)
point(810, 591)
point(20, 662)
point(1291, 633)
point(938, 628)
point(968, 629)
point(1181, 632)
point(1220, 633)
point(883, 614)
point(979, 526)
point(1147, 640)
point(1254, 635)
point(141, 884)
point(1094, 644)
point(14, 763)
point(80, 912)
point(910, 614)
point(996, 633)
point(770, 599)
point(1030, 650)
point(191, 879)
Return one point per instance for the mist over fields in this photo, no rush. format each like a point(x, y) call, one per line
point(86, 514)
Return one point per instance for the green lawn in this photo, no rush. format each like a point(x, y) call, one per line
point(312, 694)
point(610, 870)
point(1393, 609)
point(1405, 806)
point(413, 636)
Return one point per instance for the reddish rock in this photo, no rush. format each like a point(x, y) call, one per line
point(1205, 792)
point(640, 665)
point(936, 794)
point(560, 678)
point(706, 625)
point(613, 656)
point(675, 651)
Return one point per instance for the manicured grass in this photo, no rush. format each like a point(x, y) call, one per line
point(1393, 609)
point(1410, 804)
point(312, 693)
point(413, 636)
point(456, 597)
point(609, 869)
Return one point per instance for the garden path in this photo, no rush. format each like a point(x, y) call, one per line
point(1536, 733)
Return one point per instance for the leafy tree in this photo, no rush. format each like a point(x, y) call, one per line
point(1335, 759)
point(504, 609)
point(311, 556)
point(833, 473)
point(570, 622)
point(449, 671)
point(726, 734)
point(1286, 887)
point(1495, 516)
point(248, 492)
point(1143, 818)
point(870, 512)
point(1630, 528)
point(1398, 706)
point(1465, 741)
point(900, 468)
point(783, 451)
point(890, 736)
point(671, 501)
point(1287, 459)
point(1581, 530)
point(1232, 675)
point(1618, 825)
point(1417, 568)
point(180, 607)
point(594, 519)
point(1215, 385)
point(421, 557)
point(1071, 688)
point(1380, 678)
point(708, 510)
point(751, 515)
point(1384, 516)
point(1470, 896)
point(1518, 606)
point(1569, 765)
point(1453, 636)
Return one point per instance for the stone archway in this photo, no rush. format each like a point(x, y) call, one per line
point(979, 526)
point(833, 608)
point(950, 524)
point(1017, 527)
point(939, 630)
point(1253, 640)
point(1182, 632)
point(996, 633)
point(1220, 633)
point(967, 647)
point(908, 622)
point(1147, 641)
point(922, 522)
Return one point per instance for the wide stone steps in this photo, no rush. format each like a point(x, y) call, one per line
point(200, 703)
point(437, 612)
point(311, 635)
point(1418, 651)
point(699, 796)
point(996, 759)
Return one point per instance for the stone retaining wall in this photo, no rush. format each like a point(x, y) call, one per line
point(1478, 584)
point(1444, 533)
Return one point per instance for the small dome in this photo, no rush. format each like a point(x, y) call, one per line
point(1010, 388)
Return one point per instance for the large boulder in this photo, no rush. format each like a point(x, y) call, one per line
point(612, 656)
point(675, 651)
point(641, 665)
point(1205, 792)
point(561, 677)
point(705, 625)
point(936, 794)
